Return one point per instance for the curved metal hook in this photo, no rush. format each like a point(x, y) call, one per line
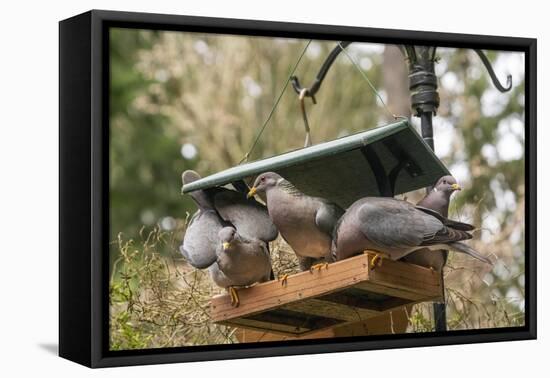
point(492, 74)
point(312, 90)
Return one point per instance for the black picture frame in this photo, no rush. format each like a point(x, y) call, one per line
point(84, 190)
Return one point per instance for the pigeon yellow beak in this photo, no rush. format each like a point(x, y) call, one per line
point(226, 246)
point(456, 187)
point(252, 192)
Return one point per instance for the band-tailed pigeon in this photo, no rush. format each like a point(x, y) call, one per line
point(396, 228)
point(240, 262)
point(437, 199)
point(218, 208)
point(306, 223)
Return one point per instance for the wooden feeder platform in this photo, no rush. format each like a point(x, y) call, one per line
point(348, 292)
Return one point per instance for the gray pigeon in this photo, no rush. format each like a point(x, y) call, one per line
point(240, 262)
point(218, 208)
point(201, 236)
point(396, 228)
point(306, 223)
point(437, 199)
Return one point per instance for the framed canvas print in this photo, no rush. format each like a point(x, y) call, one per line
point(234, 188)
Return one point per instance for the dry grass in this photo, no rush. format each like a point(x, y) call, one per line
point(158, 301)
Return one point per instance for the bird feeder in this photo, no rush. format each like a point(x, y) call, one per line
point(382, 161)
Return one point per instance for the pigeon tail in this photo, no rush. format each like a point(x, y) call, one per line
point(446, 221)
point(463, 248)
point(190, 176)
point(201, 198)
point(332, 255)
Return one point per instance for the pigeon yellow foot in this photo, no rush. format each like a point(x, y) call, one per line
point(283, 279)
point(377, 260)
point(234, 296)
point(318, 267)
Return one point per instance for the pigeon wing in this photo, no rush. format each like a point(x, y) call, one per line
point(397, 224)
point(201, 197)
point(446, 235)
point(327, 216)
point(201, 239)
point(249, 217)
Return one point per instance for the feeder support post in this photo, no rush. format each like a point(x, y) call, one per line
point(424, 103)
point(423, 87)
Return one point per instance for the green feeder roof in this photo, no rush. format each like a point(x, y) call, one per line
point(382, 161)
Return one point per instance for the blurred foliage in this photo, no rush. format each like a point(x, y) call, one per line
point(145, 160)
point(157, 302)
point(196, 101)
point(494, 195)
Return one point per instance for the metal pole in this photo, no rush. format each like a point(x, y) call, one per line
point(440, 312)
point(426, 128)
point(425, 101)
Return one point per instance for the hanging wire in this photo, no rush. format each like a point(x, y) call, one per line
point(247, 155)
point(368, 82)
point(302, 97)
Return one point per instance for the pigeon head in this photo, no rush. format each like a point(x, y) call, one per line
point(227, 236)
point(447, 185)
point(264, 182)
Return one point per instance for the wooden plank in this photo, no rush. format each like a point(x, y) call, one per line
point(416, 276)
point(249, 335)
point(332, 310)
point(270, 322)
point(403, 280)
point(394, 322)
point(282, 329)
point(390, 322)
point(333, 294)
point(357, 298)
point(370, 287)
point(273, 294)
point(299, 320)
